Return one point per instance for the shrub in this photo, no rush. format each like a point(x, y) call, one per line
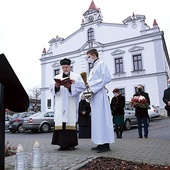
point(9, 151)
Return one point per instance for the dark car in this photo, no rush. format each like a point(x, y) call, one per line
point(15, 124)
point(41, 121)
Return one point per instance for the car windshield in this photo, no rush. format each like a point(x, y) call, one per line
point(127, 106)
point(15, 115)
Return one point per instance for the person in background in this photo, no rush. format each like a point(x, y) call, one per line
point(117, 107)
point(84, 118)
point(142, 113)
point(101, 118)
point(66, 107)
point(166, 99)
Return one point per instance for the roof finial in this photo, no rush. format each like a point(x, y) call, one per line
point(155, 23)
point(44, 51)
point(82, 21)
point(133, 15)
point(92, 5)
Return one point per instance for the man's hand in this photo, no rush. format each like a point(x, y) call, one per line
point(83, 112)
point(169, 103)
point(73, 81)
point(67, 85)
point(87, 86)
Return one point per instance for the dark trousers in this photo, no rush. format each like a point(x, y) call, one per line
point(143, 120)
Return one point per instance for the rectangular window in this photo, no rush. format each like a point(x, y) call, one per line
point(118, 65)
point(49, 103)
point(122, 91)
point(56, 72)
point(137, 62)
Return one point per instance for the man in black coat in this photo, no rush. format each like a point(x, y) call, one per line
point(166, 98)
point(142, 113)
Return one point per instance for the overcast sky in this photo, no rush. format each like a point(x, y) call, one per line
point(26, 26)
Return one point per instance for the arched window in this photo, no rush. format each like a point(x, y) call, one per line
point(90, 34)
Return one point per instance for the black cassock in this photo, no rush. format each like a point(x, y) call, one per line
point(65, 138)
point(84, 121)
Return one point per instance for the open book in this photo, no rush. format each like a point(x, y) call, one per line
point(63, 81)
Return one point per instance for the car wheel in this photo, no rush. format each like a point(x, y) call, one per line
point(34, 130)
point(21, 129)
point(127, 124)
point(45, 128)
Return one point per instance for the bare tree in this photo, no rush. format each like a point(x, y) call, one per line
point(34, 97)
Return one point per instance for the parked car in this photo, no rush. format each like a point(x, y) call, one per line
point(130, 118)
point(15, 124)
point(153, 112)
point(7, 119)
point(41, 121)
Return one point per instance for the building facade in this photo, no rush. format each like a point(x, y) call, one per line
point(134, 53)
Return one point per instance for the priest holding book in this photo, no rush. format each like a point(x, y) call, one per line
point(66, 92)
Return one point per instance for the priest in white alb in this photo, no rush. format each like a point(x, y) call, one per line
point(66, 107)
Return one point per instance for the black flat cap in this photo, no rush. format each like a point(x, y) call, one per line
point(65, 61)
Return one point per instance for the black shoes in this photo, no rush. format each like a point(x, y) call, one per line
point(62, 149)
point(140, 137)
point(66, 148)
point(119, 137)
point(71, 148)
point(101, 148)
point(96, 148)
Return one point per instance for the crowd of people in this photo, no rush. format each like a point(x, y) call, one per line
point(94, 119)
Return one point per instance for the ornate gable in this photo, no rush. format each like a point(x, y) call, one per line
point(94, 45)
point(117, 52)
point(56, 64)
point(136, 48)
point(92, 14)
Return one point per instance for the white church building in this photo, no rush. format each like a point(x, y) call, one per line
point(134, 53)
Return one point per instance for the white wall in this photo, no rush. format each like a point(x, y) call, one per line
point(108, 38)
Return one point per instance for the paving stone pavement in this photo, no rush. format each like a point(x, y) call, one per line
point(151, 150)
